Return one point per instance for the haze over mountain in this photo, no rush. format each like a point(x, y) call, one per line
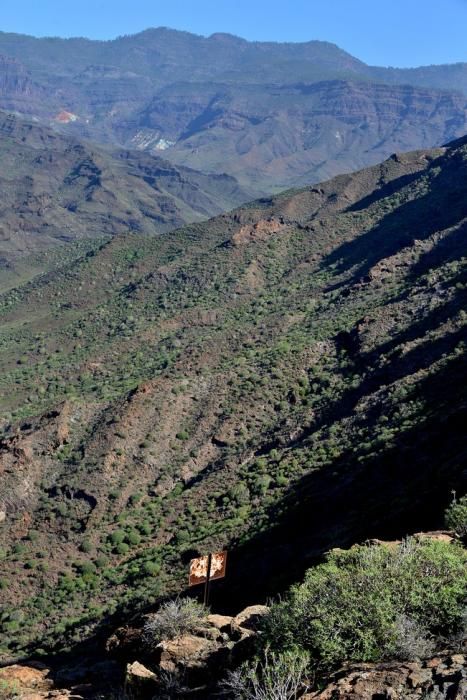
point(274, 115)
point(279, 380)
point(56, 189)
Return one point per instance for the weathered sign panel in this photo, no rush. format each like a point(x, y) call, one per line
point(199, 568)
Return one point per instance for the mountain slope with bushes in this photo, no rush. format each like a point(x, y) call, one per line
point(280, 380)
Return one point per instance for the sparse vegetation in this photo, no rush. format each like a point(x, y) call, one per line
point(304, 374)
point(276, 677)
point(174, 618)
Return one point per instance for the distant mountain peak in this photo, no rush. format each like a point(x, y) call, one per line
point(227, 37)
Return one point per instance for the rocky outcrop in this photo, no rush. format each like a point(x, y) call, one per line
point(25, 682)
point(84, 681)
point(443, 677)
point(333, 126)
point(196, 664)
point(260, 231)
point(250, 618)
point(192, 661)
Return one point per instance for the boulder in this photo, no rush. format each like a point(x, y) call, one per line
point(221, 622)
point(138, 671)
point(140, 680)
point(247, 622)
point(26, 678)
point(458, 660)
point(192, 658)
point(251, 617)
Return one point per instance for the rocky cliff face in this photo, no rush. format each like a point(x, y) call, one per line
point(287, 136)
point(17, 89)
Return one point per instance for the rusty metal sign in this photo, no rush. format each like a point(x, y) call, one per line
point(199, 568)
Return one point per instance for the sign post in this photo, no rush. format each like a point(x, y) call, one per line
point(208, 579)
point(206, 569)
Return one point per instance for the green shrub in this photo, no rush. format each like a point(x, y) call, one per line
point(261, 484)
point(150, 568)
point(122, 548)
point(62, 509)
point(117, 537)
point(135, 498)
point(133, 537)
point(240, 494)
point(356, 605)
point(101, 561)
point(455, 517)
point(145, 527)
point(85, 568)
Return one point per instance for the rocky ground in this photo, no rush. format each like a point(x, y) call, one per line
point(190, 666)
point(442, 677)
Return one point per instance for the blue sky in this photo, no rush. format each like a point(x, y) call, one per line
point(380, 32)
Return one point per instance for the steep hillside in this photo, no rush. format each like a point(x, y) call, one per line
point(56, 189)
point(277, 381)
point(276, 115)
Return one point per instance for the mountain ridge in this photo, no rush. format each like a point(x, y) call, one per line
point(55, 189)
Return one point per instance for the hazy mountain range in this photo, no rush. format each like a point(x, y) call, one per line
point(273, 115)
